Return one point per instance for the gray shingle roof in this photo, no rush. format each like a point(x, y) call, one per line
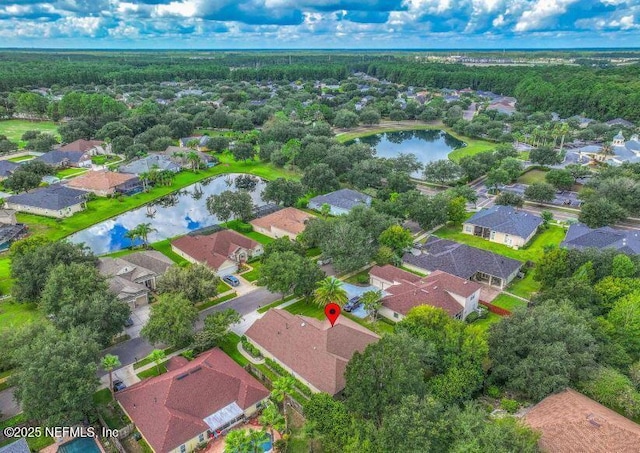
point(580, 236)
point(7, 167)
point(506, 219)
point(343, 198)
point(19, 446)
point(53, 197)
point(460, 259)
point(56, 157)
point(145, 164)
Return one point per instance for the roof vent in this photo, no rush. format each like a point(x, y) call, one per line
point(181, 376)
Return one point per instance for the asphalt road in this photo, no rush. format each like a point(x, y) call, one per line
point(8, 405)
point(137, 348)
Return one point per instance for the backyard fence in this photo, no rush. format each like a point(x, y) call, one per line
point(493, 309)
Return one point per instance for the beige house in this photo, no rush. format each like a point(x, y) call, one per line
point(53, 201)
point(289, 222)
point(503, 225)
point(180, 410)
point(104, 183)
point(403, 291)
point(223, 251)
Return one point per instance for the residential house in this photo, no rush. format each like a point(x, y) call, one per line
point(104, 183)
point(75, 154)
point(341, 201)
point(624, 150)
point(572, 422)
point(201, 142)
point(620, 122)
point(223, 251)
point(7, 168)
point(10, 229)
point(53, 201)
point(149, 163)
point(133, 276)
point(503, 225)
point(289, 222)
point(505, 105)
point(179, 156)
point(580, 236)
point(192, 402)
point(463, 261)
point(19, 446)
point(310, 349)
point(403, 291)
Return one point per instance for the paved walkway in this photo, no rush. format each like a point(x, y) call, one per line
point(8, 405)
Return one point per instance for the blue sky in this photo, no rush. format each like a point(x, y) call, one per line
point(223, 24)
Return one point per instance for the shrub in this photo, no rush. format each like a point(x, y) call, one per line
point(251, 349)
point(239, 226)
point(473, 316)
point(493, 391)
point(510, 406)
point(188, 354)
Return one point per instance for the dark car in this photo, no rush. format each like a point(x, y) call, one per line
point(353, 303)
point(118, 385)
point(128, 322)
point(230, 279)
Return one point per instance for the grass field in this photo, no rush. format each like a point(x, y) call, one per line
point(508, 302)
point(253, 274)
point(13, 314)
point(155, 370)
point(532, 176)
point(21, 159)
point(164, 247)
point(67, 172)
point(524, 287)
point(474, 146)
point(484, 323)
point(552, 236)
point(14, 129)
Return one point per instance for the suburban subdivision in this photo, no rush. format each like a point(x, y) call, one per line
point(337, 250)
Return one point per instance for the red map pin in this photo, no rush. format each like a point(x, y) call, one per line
point(332, 311)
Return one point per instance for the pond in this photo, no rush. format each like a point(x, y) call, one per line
point(427, 145)
point(173, 215)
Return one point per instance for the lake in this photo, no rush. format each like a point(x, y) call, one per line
point(427, 145)
point(173, 215)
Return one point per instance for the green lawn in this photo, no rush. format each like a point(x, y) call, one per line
point(147, 360)
point(484, 323)
point(359, 278)
point(35, 443)
point(524, 287)
point(70, 172)
point(164, 247)
point(216, 301)
point(14, 129)
point(532, 176)
point(13, 314)
point(420, 274)
point(154, 371)
point(508, 302)
point(552, 236)
point(21, 158)
point(259, 237)
point(253, 274)
point(229, 344)
point(111, 412)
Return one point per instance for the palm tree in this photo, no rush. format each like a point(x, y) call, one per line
point(194, 160)
point(256, 438)
point(272, 418)
point(143, 230)
point(330, 290)
point(132, 235)
point(237, 441)
point(282, 387)
point(109, 363)
point(564, 130)
point(144, 179)
point(372, 301)
point(157, 356)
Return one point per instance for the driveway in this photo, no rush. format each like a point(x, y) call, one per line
point(8, 405)
point(245, 286)
point(137, 348)
point(139, 316)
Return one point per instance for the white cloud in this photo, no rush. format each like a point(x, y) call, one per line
point(541, 13)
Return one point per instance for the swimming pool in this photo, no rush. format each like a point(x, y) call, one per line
point(268, 445)
point(80, 445)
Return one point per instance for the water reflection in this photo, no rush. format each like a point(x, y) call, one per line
point(171, 215)
point(427, 145)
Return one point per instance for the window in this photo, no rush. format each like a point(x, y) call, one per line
point(467, 228)
point(396, 315)
point(493, 235)
point(506, 239)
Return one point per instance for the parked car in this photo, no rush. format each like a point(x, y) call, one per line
point(128, 322)
point(118, 385)
point(353, 304)
point(231, 280)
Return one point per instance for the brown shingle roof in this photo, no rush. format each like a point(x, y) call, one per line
point(81, 145)
point(435, 290)
point(100, 180)
point(169, 411)
point(571, 422)
point(310, 347)
point(213, 249)
point(291, 220)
